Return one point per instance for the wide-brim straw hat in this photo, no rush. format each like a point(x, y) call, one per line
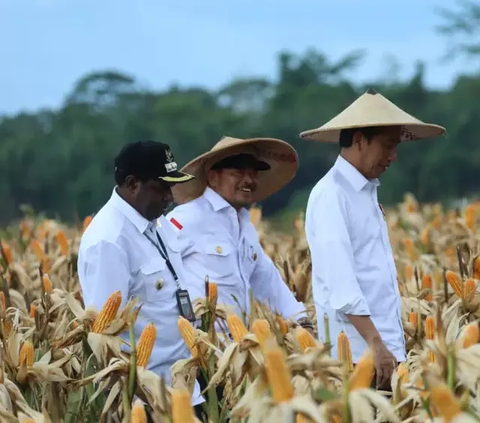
point(373, 109)
point(280, 155)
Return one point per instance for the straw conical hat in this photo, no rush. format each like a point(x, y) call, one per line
point(373, 109)
point(281, 157)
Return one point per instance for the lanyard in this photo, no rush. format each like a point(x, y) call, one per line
point(163, 252)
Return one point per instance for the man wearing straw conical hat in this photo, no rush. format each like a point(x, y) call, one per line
point(213, 215)
point(353, 271)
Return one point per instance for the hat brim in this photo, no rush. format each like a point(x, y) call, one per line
point(280, 156)
point(177, 177)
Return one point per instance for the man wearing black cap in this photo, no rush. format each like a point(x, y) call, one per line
point(130, 247)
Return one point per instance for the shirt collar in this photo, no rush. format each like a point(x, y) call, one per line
point(130, 213)
point(219, 203)
point(352, 175)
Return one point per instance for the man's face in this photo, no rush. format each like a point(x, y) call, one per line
point(236, 186)
point(150, 198)
point(376, 156)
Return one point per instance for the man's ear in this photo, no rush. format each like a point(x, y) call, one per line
point(357, 140)
point(212, 178)
point(131, 182)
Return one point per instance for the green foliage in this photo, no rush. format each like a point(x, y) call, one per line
point(61, 161)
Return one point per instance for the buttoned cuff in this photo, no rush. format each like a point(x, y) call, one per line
point(358, 308)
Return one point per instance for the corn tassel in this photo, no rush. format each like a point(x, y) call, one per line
point(26, 354)
point(278, 375)
point(344, 351)
point(471, 335)
point(139, 415)
point(455, 282)
point(236, 327)
point(427, 283)
point(108, 312)
point(445, 402)
point(363, 373)
point(261, 329)
point(146, 344)
point(182, 410)
point(188, 334)
point(63, 243)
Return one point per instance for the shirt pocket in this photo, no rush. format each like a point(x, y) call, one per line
point(221, 261)
point(157, 282)
point(249, 259)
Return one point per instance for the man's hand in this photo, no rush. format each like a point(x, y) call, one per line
point(385, 364)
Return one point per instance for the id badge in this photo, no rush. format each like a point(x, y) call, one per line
point(185, 305)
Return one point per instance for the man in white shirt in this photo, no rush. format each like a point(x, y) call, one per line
point(213, 215)
point(126, 249)
point(353, 270)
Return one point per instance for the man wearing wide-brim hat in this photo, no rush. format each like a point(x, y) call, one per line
point(353, 271)
point(213, 216)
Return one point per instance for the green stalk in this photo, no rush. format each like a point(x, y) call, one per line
point(133, 363)
point(126, 406)
point(451, 370)
point(326, 323)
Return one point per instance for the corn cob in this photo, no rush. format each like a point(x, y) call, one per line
point(363, 372)
point(476, 267)
point(255, 215)
point(188, 334)
point(236, 327)
point(471, 335)
point(47, 283)
point(86, 222)
point(305, 339)
point(402, 372)
point(63, 243)
point(26, 354)
point(3, 303)
point(145, 344)
point(108, 312)
point(7, 327)
point(261, 329)
point(427, 284)
point(344, 350)
point(139, 414)
point(46, 265)
point(413, 319)
point(278, 375)
point(430, 327)
point(445, 402)
point(182, 410)
point(28, 421)
point(212, 291)
point(33, 309)
point(436, 222)
point(470, 217)
point(410, 248)
point(455, 282)
point(282, 325)
point(408, 273)
point(469, 287)
point(424, 236)
point(7, 253)
point(37, 249)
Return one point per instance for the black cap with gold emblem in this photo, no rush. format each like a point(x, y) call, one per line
point(148, 160)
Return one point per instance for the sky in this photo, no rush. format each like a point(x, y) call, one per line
point(47, 45)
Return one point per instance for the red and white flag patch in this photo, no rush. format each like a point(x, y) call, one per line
point(176, 223)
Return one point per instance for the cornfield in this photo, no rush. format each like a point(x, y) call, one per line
point(62, 362)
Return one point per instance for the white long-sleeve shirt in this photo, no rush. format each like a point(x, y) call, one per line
point(116, 255)
point(225, 246)
point(353, 270)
